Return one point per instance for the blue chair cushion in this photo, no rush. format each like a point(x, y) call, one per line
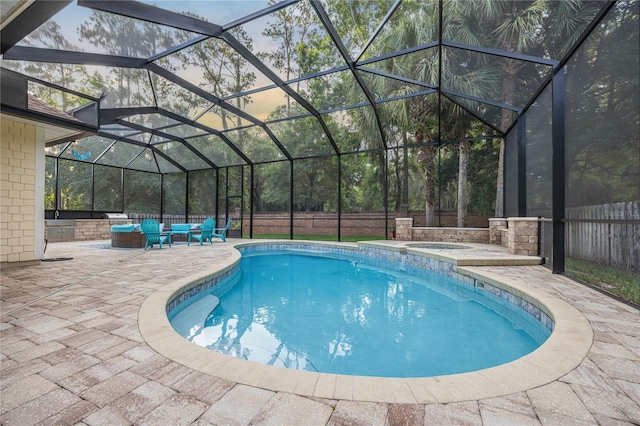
point(123, 228)
point(180, 227)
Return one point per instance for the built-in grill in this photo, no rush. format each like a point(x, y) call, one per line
point(113, 216)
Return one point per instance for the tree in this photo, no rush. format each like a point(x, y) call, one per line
point(420, 116)
point(538, 27)
point(224, 71)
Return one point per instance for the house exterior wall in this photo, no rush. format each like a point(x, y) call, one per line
point(21, 192)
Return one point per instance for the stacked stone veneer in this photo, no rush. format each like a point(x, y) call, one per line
point(96, 229)
point(518, 234)
point(496, 228)
point(405, 231)
point(522, 235)
point(404, 228)
point(21, 192)
point(452, 235)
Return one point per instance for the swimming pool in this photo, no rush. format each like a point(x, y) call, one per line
point(561, 353)
point(366, 315)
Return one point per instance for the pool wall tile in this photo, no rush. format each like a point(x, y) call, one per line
point(390, 258)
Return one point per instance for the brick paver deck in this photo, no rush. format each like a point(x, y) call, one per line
point(71, 353)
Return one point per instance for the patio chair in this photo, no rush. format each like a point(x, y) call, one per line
point(204, 233)
point(151, 230)
point(222, 232)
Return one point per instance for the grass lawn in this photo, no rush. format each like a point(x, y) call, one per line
point(623, 283)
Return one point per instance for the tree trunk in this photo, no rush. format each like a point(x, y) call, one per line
point(462, 184)
point(382, 166)
point(404, 205)
point(427, 156)
point(398, 194)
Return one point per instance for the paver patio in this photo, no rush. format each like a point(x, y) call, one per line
point(71, 353)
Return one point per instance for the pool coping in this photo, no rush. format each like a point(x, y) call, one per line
point(563, 351)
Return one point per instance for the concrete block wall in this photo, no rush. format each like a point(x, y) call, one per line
point(21, 192)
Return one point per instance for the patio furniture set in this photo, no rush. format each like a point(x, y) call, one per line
point(150, 232)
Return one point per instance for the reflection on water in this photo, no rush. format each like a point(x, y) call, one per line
point(329, 315)
point(252, 342)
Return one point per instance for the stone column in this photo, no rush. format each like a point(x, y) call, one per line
point(495, 225)
point(404, 228)
point(522, 235)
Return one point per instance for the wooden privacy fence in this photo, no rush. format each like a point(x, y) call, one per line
point(356, 224)
point(608, 234)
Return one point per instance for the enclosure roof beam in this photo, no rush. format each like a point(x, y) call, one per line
point(38, 54)
point(253, 60)
point(475, 114)
point(104, 151)
point(28, 21)
point(397, 77)
point(382, 24)
point(155, 15)
point(586, 33)
point(502, 53)
point(177, 48)
point(397, 53)
point(317, 74)
point(111, 115)
point(482, 100)
point(260, 13)
point(219, 102)
point(595, 22)
point(48, 84)
point(170, 137)
point(200, 92)
point(406, 96)
point(145, 145)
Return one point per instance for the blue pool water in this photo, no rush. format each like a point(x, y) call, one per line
point(338, 315)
